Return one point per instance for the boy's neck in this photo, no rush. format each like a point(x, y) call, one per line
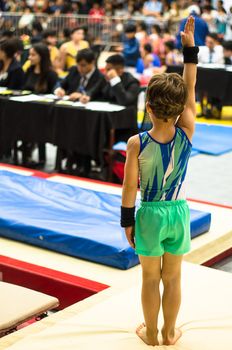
point(159, 124)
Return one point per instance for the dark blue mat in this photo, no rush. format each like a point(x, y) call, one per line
point(212, 139)
point(71, 220)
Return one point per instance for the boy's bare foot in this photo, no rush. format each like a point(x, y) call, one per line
point(167, 340)
point(142, 333)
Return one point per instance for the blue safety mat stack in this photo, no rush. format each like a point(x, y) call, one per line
point(212, 139)
point(70, 220)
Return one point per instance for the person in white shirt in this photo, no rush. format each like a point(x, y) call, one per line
point(212, 52)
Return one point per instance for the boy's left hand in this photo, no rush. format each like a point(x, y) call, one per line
point(130, 234)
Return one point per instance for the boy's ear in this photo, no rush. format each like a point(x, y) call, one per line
point(148, 108)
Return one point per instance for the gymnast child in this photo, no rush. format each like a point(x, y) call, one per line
point(160, 234)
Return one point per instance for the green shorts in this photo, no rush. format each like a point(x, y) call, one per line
point(161, 227)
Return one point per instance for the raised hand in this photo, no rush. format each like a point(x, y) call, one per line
point(187, 36)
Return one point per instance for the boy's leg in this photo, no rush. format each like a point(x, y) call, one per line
point(171, 277)
point(151, 271)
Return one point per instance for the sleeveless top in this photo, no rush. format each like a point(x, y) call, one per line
point(71, 52)
point(163, 166)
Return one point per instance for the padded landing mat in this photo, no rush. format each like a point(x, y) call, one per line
point(71, 220)
point(212, 139)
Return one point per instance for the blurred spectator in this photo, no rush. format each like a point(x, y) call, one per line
point(11, 73)
point(84, 7)
point(201, 27)
point(39, 5)
point(131, 51)
point(227, 52)
point(228, 35)
point(37, 29)
point(173, 17)
point(141, 33)
point(27, 19)
point(122, 88)
point(3, 5)
point(172, 56)
point(156, 39)
point(212, 52)
point(57, 7)
point(84, 81)
point(221, 19)
point(109, 9)
point(64, 36)
point(19, 54)
point(96, 13)
point(40, 77)
point(95, 20)
point(7, 34)
point(147, 61)
point(152, 9)
point(209, 15)
point(50, 39)
point(69, 50)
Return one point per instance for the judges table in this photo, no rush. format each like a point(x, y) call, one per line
point(213, 80)
point(85, 129)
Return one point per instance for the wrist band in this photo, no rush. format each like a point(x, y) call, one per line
point(127, 216)
point(190, 54)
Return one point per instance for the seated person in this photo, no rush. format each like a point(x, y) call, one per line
point(69, 50)
point(122, 88)
point(11, 76)
point(172, 56)
point(11, 73)
point(50, 39)
point(212, 52)
point(147, 61)
point(227, 52)
point(41, 79)
point(84, 81)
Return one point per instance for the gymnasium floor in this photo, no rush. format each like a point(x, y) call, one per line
point(107, 320)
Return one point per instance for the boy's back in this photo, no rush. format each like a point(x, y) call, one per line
point(163, 166)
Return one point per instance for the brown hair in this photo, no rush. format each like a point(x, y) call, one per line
point(166, 95)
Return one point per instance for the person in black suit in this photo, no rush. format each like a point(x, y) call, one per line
point(227, 51)
point(11, 76)
point(11, 73)
point(122, 88)
point(84, 81)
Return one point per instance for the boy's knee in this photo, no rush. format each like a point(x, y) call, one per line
point(170, 278)
point(151, 277)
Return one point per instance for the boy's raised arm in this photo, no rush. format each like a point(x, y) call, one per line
point(187, 118)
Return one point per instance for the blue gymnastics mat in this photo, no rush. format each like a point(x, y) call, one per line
point(70, 220)
point(212, 139)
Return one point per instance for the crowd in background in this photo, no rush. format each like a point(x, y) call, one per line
point(148, 45)
point(36, 56)
point(58, 14)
